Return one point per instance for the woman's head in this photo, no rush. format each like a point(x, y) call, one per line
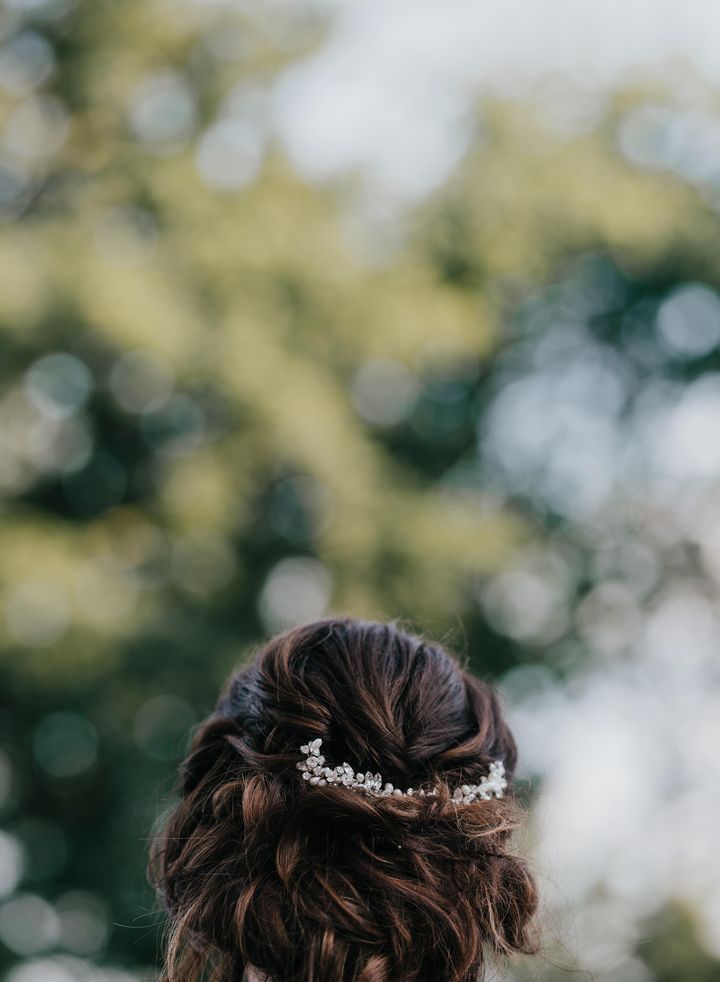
point(334, 884)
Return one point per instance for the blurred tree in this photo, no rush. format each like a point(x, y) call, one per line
point(218, 418)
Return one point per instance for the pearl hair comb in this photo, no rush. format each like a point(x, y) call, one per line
point(316, 773)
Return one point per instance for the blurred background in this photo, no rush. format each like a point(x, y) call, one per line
point(403, 310)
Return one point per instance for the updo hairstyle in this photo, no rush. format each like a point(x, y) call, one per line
point(334, 884)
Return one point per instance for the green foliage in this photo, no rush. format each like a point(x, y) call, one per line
point(222, 407)
point(675, 953)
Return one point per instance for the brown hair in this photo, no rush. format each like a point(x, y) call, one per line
point(332, 884)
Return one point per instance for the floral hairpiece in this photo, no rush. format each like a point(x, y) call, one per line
point(315, 772)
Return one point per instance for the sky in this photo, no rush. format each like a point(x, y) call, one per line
point(390, 91)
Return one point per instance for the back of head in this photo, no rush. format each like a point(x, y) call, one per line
point(330, 883)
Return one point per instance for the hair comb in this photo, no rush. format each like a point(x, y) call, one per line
point(318, 774)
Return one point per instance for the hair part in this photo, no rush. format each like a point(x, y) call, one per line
point(302, 883)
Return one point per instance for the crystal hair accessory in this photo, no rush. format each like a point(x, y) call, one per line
point(315, 772)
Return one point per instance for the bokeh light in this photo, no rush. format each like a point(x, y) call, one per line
point(162, 111)
point(65, 744)
point(384, 392)
point(11, 863)
point(38, 614)
point(28, 924)
point(296, 589)
point(58, 384)
point(83, 922)
point(408, 312)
